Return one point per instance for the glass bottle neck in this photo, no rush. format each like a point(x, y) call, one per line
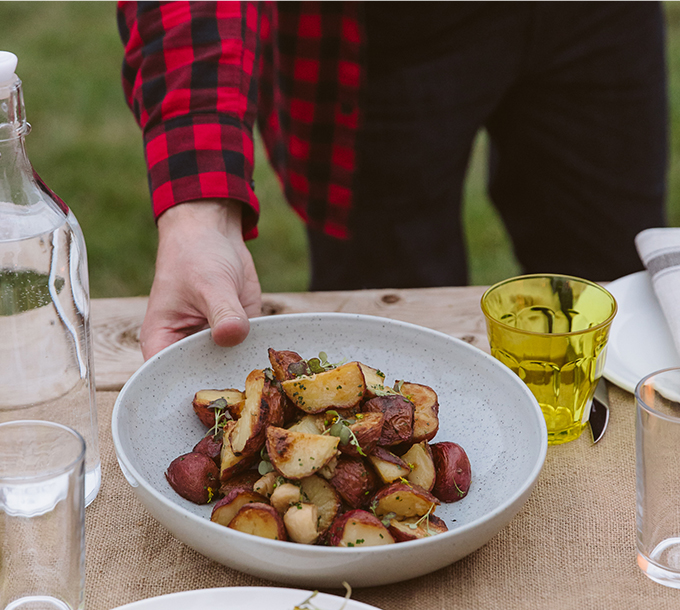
point(13, 122)
point(26, 205)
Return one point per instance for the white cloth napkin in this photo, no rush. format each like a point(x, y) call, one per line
point(659, 250)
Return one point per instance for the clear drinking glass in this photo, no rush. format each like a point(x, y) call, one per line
point(657, 443)
point(42, 517)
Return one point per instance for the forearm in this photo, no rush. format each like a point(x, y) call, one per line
point(189, 78)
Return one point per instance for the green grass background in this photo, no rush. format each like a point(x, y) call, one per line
point(87, 147)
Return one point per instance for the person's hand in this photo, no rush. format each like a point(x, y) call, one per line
point(205, 277)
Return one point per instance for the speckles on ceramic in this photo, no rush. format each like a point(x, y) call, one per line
point(483, 406)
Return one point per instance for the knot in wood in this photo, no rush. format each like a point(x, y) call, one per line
point(390, 299)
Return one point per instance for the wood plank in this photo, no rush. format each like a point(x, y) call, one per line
point(454, 311)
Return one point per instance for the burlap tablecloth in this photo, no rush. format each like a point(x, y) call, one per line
point(572, 546)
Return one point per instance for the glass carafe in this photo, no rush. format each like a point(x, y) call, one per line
point(46, 369)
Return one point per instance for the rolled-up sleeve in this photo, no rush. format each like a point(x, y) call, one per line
point(190, 79)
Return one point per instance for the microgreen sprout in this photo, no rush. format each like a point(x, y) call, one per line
point(222, 416)
point(307, 603)
point(313, 366)
point(426, 519)
point(265, 465)
point(340, 427)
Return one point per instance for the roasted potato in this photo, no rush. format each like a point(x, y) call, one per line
point(453, 471)
point(309, 424)
point(195, 477)
point(365, 434)
point(280, 362)
point(404, 500)
point(327, 500)
point(339, 388)
point(421, 462)
point(389, 467)
point(425, 412)
point(284, 495)
point(301, 521)
point(413, 528)
point(296, 455)
point(225, 510)
point(242, 480)
point(358, 528)
point(210, 447)
point(375, 381)
point(248, 435)
point(353, 480)
point(230, 463)
point(204, 404)
point(259, 519)
point(398, 412)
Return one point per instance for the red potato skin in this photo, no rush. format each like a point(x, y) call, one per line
point(367, 431)
point(195, 477)
point(246, 495)
point(243, 480)
point(260, 508)
point(337, 529)
point(354, 481)
point(453, 471)
point(210, 447)
point(281, 360)
point(398, 426)
point(205, 415)
point(437, 525)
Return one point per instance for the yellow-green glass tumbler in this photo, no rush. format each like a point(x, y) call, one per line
point(552, 330)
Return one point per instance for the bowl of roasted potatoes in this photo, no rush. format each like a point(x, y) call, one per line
point(330, 448)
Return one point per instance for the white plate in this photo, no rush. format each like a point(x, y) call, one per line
point(640, 341)
point(243, 598)
point(484, 407)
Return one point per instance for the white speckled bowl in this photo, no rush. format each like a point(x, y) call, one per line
point(484, 407)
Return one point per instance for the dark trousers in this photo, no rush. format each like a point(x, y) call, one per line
point(573, 97)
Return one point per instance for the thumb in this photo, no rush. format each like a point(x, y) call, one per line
point(229, 323)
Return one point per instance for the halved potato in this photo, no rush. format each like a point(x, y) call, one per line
point(413, 528)
point(426, 410)
point(398, 425)
point(389, 467)
point(242, 480)
point(367, 430)
point(321, 493)
point(284, 495)
point(420, 460)
point(281, 360)
point(225, 510)
point(453, 471)
point(230, 463)
point(404, 500)
point(204, 399)
point(358, 528)
point(301, 521)
point(353, 480)
point(339, 388)
point(248, 435)
point(375, 381)
point(296, 455)
point(309, 424)
point(259, 519)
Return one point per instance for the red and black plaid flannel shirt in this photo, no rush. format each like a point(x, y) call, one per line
point(197, 76)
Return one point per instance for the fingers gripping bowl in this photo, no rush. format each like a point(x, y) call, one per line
point(483, 406)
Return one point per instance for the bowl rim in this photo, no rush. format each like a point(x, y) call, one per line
point(168, 504)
